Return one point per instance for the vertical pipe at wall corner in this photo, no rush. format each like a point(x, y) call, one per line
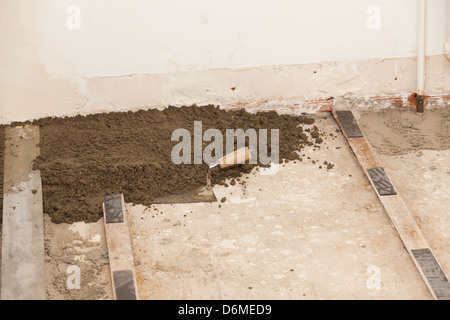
point(421, 49)
point(447, 43)
point(421, 56)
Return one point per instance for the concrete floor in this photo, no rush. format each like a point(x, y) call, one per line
point(302, 233)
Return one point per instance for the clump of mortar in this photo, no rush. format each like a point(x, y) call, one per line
point(85, 157)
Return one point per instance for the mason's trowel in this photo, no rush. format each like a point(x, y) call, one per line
point(205, 193)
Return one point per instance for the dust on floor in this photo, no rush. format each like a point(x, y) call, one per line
point(77, 264)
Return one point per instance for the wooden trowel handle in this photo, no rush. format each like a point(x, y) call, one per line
point(231, 159)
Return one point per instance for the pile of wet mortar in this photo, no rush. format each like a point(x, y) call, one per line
point(83, 158)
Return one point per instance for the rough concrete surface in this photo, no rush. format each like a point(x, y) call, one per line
point(302, 233)
point(284, 236)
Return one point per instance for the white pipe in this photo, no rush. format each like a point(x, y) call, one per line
point(447, 43)
point(421, 49)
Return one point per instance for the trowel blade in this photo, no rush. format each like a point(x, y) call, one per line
point(201, 194)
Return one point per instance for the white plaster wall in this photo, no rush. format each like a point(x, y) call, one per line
point(144, 36)
point(49, 69)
